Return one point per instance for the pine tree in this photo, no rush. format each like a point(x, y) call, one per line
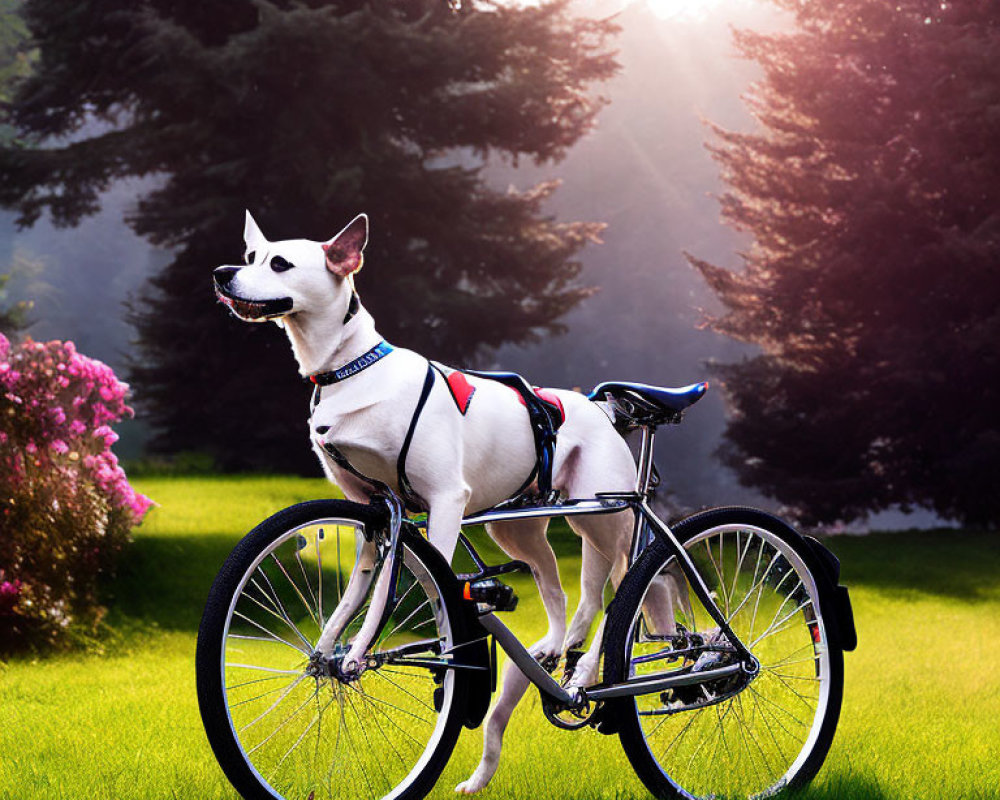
point(307, 113)
point(872, 285)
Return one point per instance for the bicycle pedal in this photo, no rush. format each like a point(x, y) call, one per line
point(572, 659)
point(548, 663)
point(490, 592)
point(496, 570)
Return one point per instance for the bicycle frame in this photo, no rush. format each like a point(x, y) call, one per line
point(604, 503)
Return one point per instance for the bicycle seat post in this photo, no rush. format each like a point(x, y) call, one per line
point(645, 473)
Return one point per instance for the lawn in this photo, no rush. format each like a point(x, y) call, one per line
point(919, 719)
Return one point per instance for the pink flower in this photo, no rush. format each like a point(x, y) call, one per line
point(140, 504)
point(58, 409)
point(9, 592)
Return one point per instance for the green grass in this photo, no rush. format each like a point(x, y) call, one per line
point(919, 719)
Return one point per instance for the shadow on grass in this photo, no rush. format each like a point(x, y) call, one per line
point(834, 785)
point(165, 580)
point(952, 563)
point(829, 785)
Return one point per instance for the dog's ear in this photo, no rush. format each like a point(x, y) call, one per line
point(344, 251)
point(252, 235)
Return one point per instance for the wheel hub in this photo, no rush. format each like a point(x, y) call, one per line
point(331, 665)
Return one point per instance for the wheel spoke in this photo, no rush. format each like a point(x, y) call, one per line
point(295, 587)
point(272, 611)
point(274, 705)
point(279, 606)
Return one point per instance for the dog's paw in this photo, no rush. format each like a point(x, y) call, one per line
point(351, 668)
point(584, 674)
point(471, 786)
point(547, 653)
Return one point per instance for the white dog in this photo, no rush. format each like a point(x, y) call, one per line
point(458, 463)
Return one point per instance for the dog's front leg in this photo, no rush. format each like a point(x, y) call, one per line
point(525, 540)
point(443, 525)
point(354, 595)
point(444, 521)
point(354, 661)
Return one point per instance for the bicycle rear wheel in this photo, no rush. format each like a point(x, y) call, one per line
point(739, 737)
point(282, 728)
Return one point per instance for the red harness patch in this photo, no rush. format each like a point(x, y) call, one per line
point(461, 390)
point(549, 397)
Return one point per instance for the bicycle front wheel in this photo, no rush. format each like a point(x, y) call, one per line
point(280, 727)
point(739, 737)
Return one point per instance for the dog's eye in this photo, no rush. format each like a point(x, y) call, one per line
point(278, 264)
point(249, 256)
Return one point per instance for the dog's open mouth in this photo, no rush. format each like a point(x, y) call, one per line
point(253, 310)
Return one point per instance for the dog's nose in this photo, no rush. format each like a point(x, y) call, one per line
point(224, 275)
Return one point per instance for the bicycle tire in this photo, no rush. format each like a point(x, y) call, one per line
point(667, 760)
point(244, 762)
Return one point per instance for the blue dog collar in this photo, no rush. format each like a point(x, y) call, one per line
point(376, 354)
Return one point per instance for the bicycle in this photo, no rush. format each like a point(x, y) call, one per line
point(739, 697)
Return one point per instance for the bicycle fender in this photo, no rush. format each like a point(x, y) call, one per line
point(476, 651)
point(825, 566)
point(847, 634)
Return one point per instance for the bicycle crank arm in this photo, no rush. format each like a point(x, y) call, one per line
point(656, 683)
point(526, 662)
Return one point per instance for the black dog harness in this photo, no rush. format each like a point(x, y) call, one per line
point(545, 418)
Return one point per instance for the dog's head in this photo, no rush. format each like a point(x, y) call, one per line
point(292, 276)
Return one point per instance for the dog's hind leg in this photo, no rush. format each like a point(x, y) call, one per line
point(608, 534)
point(593, 577)
point(515, 684)
point(667, 593)
point(524, 540)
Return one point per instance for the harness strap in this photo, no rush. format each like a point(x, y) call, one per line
point(341, 461)
point(410, 497)
point(545, 417)
point(352, 307)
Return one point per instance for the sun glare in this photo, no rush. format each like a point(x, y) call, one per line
point(689, 9)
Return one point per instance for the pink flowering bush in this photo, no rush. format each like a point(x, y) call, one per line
point(66, 507)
